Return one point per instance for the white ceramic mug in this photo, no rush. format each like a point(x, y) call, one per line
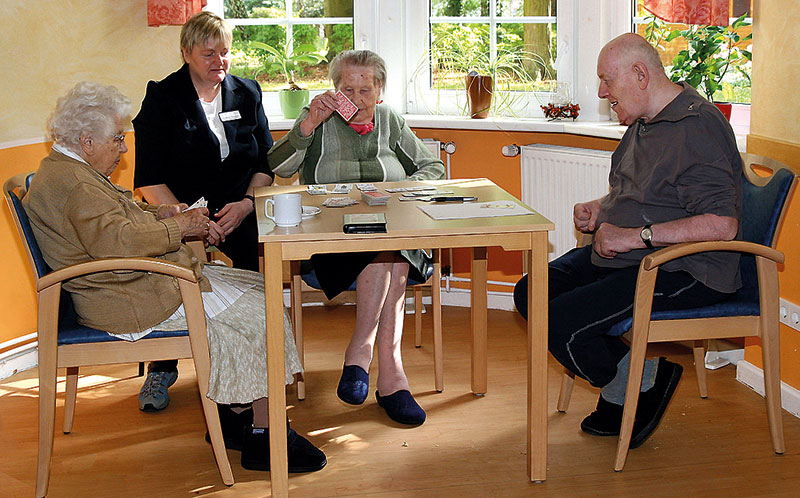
point(287, 210)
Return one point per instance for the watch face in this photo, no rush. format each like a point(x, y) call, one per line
point(647, 233)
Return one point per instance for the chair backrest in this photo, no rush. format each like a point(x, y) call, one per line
point(10, 189)
point(764, 202)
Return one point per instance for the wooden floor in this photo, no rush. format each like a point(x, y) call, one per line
point(469, 446)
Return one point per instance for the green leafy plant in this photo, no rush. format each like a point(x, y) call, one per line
point(712, 51)
point(288, 61)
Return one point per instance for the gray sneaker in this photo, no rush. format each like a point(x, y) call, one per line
point(153, 396)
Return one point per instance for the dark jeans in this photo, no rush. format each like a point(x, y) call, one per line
point(587, 300)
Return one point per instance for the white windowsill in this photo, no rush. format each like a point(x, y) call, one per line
point(600, 129)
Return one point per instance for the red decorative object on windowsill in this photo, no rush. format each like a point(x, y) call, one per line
point(560, 111)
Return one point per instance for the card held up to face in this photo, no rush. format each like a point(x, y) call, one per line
point(345, 107)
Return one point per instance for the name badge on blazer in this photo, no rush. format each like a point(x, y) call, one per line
point(229, 116)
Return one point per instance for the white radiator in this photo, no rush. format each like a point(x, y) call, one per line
point(555, 178)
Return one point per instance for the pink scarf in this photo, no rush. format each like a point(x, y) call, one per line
point(363, 129)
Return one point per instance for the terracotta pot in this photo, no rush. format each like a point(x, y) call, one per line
point(479, 95)
point(725, 108)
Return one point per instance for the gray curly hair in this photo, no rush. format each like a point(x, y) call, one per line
point(361, 58)
point(89, 108)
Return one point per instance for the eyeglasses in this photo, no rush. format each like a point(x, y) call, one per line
point(119, 139)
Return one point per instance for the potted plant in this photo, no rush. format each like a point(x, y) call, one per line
point(711, 52)
point(294, 98)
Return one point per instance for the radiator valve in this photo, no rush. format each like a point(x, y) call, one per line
point(511, 150)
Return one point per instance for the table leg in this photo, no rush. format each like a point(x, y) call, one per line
point(273, 291)
point(478, 318)
point(537, 357)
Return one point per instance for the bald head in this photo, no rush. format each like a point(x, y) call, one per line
point(630, 48)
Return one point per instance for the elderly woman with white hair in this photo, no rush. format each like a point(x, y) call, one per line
point(376, 145)
point(78, 214)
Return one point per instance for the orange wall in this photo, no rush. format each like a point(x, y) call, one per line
point(17, 291)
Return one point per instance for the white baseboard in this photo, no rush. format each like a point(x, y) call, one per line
point(19, 360)
point(753, 377)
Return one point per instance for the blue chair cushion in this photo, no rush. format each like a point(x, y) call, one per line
point(71, 332)
point(732, 307)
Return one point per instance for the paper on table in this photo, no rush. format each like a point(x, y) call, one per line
point(457, 211)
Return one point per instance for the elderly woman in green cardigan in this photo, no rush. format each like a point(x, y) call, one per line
point(376, 145)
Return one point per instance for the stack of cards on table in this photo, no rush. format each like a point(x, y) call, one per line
point(375, 197)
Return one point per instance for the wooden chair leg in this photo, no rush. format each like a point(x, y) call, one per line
point(418, 315)
point(699, 351)
point(567, 383)
point(770, 348)
point(296, 290)
point(70, 396)
point(436, 304)
point(48, 359)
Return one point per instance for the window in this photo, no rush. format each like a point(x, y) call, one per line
point(302, 31)
point(514, 41)
point(735, 83)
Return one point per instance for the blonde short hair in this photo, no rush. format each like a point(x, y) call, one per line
point(361, 58)
point(205, 26)
point(89, 108)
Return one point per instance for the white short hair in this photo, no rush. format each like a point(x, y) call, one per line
point(89, 108)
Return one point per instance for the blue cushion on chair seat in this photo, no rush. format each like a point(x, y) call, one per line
point(726, 308)
point(71, 332)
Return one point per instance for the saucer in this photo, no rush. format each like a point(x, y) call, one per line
point(309, 211)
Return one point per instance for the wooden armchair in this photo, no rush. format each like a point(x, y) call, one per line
point(64, 343)
point(752, 311)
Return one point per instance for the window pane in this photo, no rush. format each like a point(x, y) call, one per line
point(457, 49)
point(526, 54)
point(511, 8)
point(459, 8)
point(321, 8)
point(243, 9)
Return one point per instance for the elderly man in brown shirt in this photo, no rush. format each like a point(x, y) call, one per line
point(675, 177)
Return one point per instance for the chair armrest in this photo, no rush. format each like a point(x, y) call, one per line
point(662, 256)
point(112, 264)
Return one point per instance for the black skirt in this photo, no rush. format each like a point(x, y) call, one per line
point(336, 272)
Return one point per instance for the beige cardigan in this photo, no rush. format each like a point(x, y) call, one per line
point(78, 215)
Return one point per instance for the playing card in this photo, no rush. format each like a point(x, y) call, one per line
point(199, 203)
point(317, 190)
point(345, 107)
point(410, 189)
point(339, 202)
point(342, 188)
point(366, 187)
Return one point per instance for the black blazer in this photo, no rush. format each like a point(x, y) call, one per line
point(176, 147)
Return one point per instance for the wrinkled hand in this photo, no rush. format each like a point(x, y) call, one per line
point(584, 215)
point(610, 240)
point(322, 106)
point(193, 222)
point(170, 210)
point(232, 215)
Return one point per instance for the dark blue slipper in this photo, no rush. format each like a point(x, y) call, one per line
point(354, 385)
point(402, 408)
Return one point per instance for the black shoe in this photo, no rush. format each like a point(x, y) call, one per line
point(353, 385)
point(605, 420)
point(653, 402)
point(401, 407)
point(302, 455)
point(234, 426)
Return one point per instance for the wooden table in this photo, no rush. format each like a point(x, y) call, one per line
point(410, 228)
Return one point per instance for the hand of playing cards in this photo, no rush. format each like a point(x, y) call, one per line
point(345, 107)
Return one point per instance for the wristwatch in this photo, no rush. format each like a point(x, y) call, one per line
point(647, 236)
point(252, 199)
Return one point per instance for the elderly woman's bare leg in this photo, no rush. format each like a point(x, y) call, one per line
point(391, 376)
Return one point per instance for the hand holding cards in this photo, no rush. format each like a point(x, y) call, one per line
point(345, 107)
